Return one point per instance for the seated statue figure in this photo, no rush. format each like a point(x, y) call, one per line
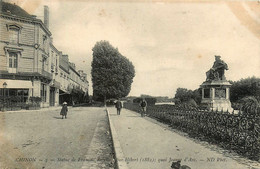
point(217, 71)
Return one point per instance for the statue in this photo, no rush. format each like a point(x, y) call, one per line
point(217, 71)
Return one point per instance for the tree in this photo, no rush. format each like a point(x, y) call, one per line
point(183, 94)
point(197, 95)
point(245, 87)
point(150, 100)
point(112, 73)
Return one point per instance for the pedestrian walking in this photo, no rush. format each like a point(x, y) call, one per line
point(143, 105)
point(64, 110)
point(118, 106)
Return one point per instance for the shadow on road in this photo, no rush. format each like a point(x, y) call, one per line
point(57, 117)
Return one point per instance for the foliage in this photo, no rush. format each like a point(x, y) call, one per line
point(245, 87)
point(35, 99)
point(197, 95)
point(190, 104)
point(184, 95)
point(249, 105)
point(110, 102)
point(79, 96)
point(112, 73)
point(149, 100)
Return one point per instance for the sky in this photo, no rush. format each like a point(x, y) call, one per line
point(171, 43)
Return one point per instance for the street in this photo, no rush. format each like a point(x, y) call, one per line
point(41, 139)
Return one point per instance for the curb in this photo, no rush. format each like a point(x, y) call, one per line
point(120, 164)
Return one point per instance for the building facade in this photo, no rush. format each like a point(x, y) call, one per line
point(74, 85)
point(30, 65)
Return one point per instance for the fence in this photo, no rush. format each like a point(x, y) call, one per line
point(236, 132)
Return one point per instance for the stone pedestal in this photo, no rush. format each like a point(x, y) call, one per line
point(215, 95)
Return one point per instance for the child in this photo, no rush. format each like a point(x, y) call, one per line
point(64, 110)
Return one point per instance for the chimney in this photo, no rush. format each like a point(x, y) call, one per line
point(46, 16)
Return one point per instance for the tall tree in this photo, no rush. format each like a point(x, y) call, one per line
point(112, 73)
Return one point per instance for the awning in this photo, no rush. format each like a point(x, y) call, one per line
point(63, 92)
point(16, 84)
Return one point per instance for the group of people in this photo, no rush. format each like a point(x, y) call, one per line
point(118, 105)
point(143, 105)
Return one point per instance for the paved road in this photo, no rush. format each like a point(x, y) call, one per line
point(148, 144)
point(41, 139)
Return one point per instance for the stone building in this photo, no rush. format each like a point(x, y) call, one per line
point(30, 65)
point(73, 83)
point(54, 67)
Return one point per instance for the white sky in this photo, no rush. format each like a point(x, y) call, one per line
point(170, 44)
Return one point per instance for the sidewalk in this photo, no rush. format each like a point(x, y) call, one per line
point(41, 109)
point(145, 144)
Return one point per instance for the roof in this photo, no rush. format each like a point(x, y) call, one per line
point(12, 9)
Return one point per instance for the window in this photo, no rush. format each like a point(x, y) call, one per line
point(4, 92)
point(13, 32)
point(43, 62)
point(206, 93)
point(16, 95)
point(23, 94)
point(44, 41)
point(43, 92)
point(44, 38)
point(56, 60)
point(12, 92)
point(13, 60)
point(13, 36)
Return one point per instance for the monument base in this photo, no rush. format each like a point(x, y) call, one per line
point(217, 105)
point(215, 96)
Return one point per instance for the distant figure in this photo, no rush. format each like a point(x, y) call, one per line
point(143, 105)
point(64, 110)
point(218, 70)
point(118, 106)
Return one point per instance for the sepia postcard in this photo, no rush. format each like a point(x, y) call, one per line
point(121, 84)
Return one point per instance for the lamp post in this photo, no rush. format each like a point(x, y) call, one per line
point(4, 86)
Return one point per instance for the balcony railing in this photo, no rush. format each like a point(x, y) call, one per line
point(44, 73)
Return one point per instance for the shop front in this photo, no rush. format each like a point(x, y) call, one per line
point(14, 93)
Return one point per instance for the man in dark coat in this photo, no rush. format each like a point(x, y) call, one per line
point(64, 110)
point(143, 105)
point(118, 106)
